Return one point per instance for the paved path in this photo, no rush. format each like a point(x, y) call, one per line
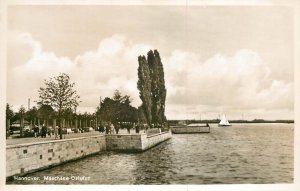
point(15, 141)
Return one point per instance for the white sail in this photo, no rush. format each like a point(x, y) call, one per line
point(224, 121)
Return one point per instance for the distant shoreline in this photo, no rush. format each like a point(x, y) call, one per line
point(232, 121)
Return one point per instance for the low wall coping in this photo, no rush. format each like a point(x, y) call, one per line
point(49, 141)
point(157, 134)
point(125, 134)
point(78, 138)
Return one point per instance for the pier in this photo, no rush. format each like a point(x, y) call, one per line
point(190, 129)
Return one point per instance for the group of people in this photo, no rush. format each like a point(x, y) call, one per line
point(110, 128)
point(107, 128)
point(43, 131)
point(40, 131)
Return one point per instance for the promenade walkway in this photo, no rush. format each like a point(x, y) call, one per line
point(15, 141)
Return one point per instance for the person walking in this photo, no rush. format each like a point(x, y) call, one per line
point(49, 131)
point(36, 131)
point(112, 128)
point(128, 128)
point(107, 129)
point(44, 131)
point(137, 129)
point(101, 129)
point(117, 128)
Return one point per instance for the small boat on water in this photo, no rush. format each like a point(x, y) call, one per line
point(224, 122)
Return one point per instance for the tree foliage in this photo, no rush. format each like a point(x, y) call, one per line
point(158, 88)
point(117, 109)
point(144, 86)
point(9, 112)
point(22, 111)
point(31, 114)
point(151, 85)
point(45, 112)
point(59, 93)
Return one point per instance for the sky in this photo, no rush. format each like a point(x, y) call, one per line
point(217, 59)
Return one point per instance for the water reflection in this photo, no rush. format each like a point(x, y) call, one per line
point(155, 165)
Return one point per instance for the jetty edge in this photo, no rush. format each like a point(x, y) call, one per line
point(189, 129)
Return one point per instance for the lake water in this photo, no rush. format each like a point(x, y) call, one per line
point(242, 153)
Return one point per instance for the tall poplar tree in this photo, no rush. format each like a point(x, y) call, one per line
point(144, 85)
point(161, 89)
point(152, 88)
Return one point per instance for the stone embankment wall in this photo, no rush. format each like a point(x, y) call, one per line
point(135, 142)
point(152, 140)
point(123, 142)
point(24, 158)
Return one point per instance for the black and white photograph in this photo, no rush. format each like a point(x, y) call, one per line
point(149, 93)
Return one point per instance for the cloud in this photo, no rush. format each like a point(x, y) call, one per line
point(241, 82)
point(40, 60)
point(24, 79)
point(113, 65)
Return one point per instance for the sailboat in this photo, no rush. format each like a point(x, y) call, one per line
point(224, 121)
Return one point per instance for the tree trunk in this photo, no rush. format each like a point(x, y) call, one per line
point(54, 127)
point(21, 126)
point(76, 125)
point(7, 128)
point(60, 125)
point(30, 125)
point(39, 122)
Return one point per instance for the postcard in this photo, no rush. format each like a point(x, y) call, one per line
point(160, 95)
